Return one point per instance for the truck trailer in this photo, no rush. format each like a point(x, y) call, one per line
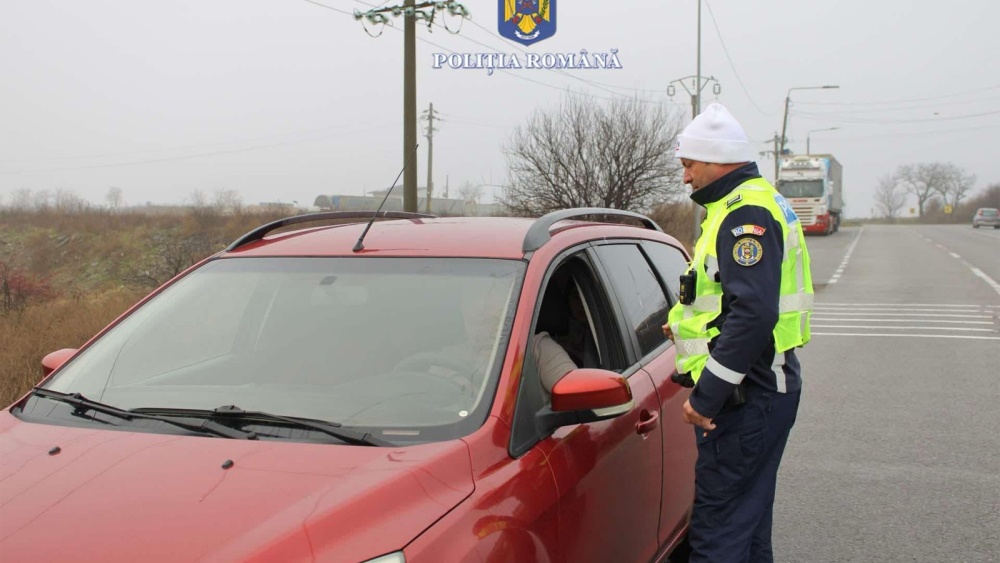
point(813, 185)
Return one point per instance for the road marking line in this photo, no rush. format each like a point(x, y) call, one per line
point(908, 312)
point(935, 314)
point(861, 311)
point(989, 280)
point(979, 273)
point(906, 335)
point(847, 257)
point(904, 305)
point(909, 328)
point(863, 320)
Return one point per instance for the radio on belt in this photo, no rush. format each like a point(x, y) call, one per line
point(687, 289)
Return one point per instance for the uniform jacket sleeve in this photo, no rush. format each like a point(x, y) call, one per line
point(750, 296)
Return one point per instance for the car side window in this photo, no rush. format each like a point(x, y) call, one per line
point(670, 263)
point(639, 292)
point(576, 314)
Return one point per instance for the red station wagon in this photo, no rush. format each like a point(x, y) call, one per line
point(310, 396)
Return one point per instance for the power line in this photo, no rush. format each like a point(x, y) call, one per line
point(329, 7)
point(519, 76)
point(730, 59)
point(178, 148)
point(522, 77)
point(892, 121)
point(560, 71)
point(917, 133)
point(184, 157)
point(892, 102)
point(835, 111)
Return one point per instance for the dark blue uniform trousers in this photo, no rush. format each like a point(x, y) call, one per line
point(735, 477)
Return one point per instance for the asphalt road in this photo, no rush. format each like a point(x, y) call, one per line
point(896, 452)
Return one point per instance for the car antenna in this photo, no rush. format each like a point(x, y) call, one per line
point(359, 246)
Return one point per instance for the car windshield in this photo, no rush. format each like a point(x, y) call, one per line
point(988, 212)
point(407, 346)
point(801, 188)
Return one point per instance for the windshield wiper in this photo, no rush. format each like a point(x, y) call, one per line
point(232, 412)
point(84, 404)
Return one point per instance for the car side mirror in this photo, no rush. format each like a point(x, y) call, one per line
point(52, 361)
point(586, 395)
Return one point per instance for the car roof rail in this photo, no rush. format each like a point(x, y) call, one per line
point(263, 230)
point(538, 234)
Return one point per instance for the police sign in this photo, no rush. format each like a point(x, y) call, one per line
point(527, 21)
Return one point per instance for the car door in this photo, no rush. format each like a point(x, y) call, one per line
point(645, 300)
point(679, 452)
point(608, 474)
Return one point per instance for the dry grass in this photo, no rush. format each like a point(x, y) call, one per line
point(46, 327)
point(91, 256)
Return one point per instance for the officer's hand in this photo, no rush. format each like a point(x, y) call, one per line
point(667, 332)
point(691, 416)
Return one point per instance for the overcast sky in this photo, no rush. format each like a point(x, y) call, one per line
point(283, 100)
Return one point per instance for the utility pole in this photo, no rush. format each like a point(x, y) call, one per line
point(698, 86)
point(409, 106)
point(411, 12)
point(429, 115)
point(697, 109)
point(697, 101)
point(775, 153)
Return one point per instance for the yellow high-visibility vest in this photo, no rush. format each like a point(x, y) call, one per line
point(690, 323)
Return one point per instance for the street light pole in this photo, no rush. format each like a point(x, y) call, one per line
point(808, 150)
point(697, 110)
point(788, 99)
point(697, 90)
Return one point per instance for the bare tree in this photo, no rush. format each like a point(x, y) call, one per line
point(22, 199)
point(67, 201)
point(198, 198)
point(618, 154)
point(229, 201)
point(890, 196)
point(470, 192)
point(956, 184)
point(40, 200)
point(990, 197)
point(115, 198)
point(204, 214)
point(923, 181)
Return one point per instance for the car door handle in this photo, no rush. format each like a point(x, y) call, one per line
point(647, 422)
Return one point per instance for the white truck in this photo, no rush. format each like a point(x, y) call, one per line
point(813, 185)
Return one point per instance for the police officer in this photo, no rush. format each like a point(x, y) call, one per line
point(745, 306)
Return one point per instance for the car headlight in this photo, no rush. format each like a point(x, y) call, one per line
point(822, 210)
point(396, 557)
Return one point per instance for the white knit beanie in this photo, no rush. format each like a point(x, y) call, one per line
point(714, 136)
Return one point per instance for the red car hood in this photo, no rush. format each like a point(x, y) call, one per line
point(124, 496)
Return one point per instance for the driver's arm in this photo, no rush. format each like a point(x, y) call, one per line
point(552, 360)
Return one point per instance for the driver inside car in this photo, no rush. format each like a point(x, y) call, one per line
point(465, 362)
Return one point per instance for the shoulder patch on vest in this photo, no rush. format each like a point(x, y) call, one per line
point(734, 200)
point(786, 209)
point(747, 251)
point(755, 230)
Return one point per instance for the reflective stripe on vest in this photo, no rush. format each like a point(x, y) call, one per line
point(690, 323)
